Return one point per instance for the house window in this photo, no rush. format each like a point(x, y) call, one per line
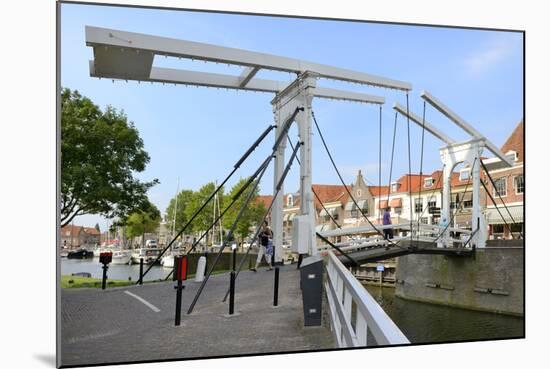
point(397, 210)
point(428, 182)
point(453, 205)
point(335, 216)
point(516, 229)
point(464, 174)
point(498, 231)
point(512, 155)
point(424, 220)
point(432, 204)
point(289, 201)
point(418, 205)
point(394, 187)
point(519, 185)
point(500, 187)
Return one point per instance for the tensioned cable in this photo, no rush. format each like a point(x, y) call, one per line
point(380, 162)
point(500, 197)
point(259, 227)
point(457, 205)
point(410, 172)
point(315, 193)
point(342, 180)
point(421, 161)
point(235, 167)
point(391, 161)
point(227, 237)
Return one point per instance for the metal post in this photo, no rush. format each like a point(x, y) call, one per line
point(234, 259)
point(140, 271)
point(205, 262)
point(232, 293)
point(104, 281)
point(179, 288)
point(276, 288)
point(178, 302)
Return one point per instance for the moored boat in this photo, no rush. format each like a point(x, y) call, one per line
point(80, 254)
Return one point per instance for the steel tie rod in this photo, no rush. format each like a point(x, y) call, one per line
point(235, 167)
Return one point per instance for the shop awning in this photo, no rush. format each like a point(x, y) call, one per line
point(396, 203)
point(383, 204)
point(331, 211)
point(493, 217)
point(350, 206)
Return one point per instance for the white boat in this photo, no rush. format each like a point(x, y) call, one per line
point(121, 257)
point(148, 254)
point(167, 261)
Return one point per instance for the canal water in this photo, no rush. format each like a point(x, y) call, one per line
point(427, 323)
point(116, 271)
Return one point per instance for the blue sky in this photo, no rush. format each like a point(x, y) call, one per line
point(197, 134)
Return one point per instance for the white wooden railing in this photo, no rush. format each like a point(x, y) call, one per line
point(352, 309)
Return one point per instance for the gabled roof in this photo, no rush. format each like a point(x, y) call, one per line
point(74, 230)
point(515, 142)
point(329, 193)
point(264, 199)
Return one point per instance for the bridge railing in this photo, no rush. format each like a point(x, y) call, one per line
point(353, 311)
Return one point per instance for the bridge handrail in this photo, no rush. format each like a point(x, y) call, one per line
point(343, 291)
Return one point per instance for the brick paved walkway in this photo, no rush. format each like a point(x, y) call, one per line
point(111, 326)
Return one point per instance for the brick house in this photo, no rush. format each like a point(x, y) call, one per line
point(77, 236)
point(509, 184)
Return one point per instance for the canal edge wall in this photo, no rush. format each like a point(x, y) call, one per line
point(491, 281)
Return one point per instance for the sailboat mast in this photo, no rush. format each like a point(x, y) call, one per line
point(175, 214)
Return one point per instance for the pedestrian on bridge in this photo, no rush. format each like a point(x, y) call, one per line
point(265, 239)
point(386, 220)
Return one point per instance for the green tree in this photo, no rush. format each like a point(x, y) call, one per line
point(184, 199)
point(100, 151)
point(141, 221)
point(251, 216)
point(205, 218)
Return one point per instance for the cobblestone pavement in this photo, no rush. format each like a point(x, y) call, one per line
point(111, 326)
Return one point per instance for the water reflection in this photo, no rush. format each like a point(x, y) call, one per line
point(116, 271)
point(425, 323)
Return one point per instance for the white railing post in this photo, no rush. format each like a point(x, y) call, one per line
point(343, 290)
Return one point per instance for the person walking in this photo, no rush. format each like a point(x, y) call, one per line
point(265, 239)
point(386, 220)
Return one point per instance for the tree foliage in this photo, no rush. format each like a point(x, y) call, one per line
point(251, 216)
point(205, 218)
point(182, 215)
point(141, 221)
point(100, 151)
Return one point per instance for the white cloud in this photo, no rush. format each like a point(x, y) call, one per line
point(492, 54)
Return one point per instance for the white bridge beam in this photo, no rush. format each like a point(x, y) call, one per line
point(464, 125)
point(124, 44)
point(430, 128)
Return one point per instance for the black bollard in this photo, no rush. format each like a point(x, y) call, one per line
point(231, 293)
point(276, 288)
point(232, 277)
point(104, 281)
point(179, 287)
point(180, 262)
point(140, 270)
point(105, 258)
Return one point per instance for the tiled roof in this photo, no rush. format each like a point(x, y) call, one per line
point(264, 199)
point(75, 230)
point(515, 142)
point(329, 193)
point(92, 231)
